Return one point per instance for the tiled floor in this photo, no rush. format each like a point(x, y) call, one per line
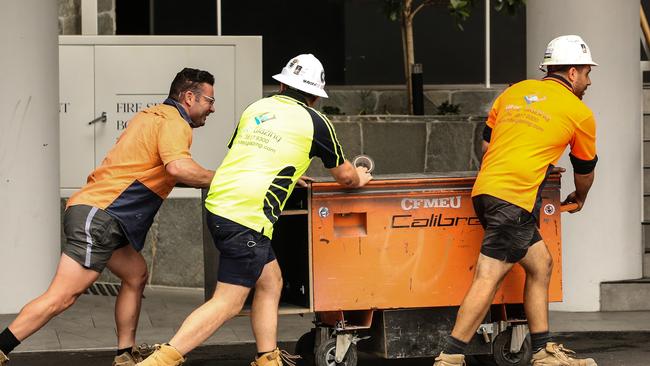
point(89, 323)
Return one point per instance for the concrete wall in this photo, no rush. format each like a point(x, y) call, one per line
point(399, 144)
point(29, 150)
point(603, 242)
point(70, 17)
point(391, 100)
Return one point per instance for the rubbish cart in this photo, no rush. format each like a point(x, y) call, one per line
point(384, 268)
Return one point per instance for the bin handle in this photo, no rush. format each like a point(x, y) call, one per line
point(568, 207)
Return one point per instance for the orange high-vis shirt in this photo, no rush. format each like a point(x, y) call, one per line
point(131, 182)
point(532, 123)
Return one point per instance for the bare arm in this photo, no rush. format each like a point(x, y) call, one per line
point(583, 183)
point(347, 175)
point(188, 172)
point(484, 148)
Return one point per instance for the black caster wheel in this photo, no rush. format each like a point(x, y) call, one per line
point(305, 349)
point(501, 355)
point(326, 353)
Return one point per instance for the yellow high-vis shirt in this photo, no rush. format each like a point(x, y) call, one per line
point(272, 147)
point(532, 123)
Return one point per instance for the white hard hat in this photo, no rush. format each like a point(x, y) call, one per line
point(567, 50)
point(304, 72)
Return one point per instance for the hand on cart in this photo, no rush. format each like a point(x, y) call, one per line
point(572, 204)
point(304, 181)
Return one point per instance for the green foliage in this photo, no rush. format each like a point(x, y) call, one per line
point(462, 9)
point(393, 9)
point(332, 110)
point(510, 6)
point(448, 108)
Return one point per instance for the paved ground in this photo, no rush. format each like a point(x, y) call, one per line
point(608, 348)
point(85, 334)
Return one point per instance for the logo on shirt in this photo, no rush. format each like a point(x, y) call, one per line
point(530, 99)
point(259, 119)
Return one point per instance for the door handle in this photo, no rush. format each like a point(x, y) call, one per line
point(101, 118)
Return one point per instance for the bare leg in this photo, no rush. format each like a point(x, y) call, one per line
point(129, 265)
point(264, 315)
point(70, 281)
point(487, 279)
point(538, 265)
point(226, 302)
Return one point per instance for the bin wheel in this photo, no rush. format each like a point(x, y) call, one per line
point(326, 353)
point(305, 349)
point(502, 355)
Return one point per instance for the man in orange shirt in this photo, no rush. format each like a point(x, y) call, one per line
point(529, 127)
point(106, 222)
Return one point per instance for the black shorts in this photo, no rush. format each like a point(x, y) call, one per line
point(92, 236)
point(509, 229)
point(243, 252)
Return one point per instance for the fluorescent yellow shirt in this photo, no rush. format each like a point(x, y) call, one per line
point(271, 148)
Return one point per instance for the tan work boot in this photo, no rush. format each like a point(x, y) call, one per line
point(137, 354)
point(125, 359)
point(449, 360)
point(3, 359)
point(556, 355)
point(276, 358)
point(164, 355)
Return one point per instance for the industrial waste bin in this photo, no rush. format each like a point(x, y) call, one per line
point(390, 263)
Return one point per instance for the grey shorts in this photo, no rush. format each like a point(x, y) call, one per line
point(92, 236)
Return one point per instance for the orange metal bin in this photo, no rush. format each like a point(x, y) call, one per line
point(392, 261)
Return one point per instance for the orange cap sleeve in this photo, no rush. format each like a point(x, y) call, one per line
point(174, 140)
point(583, 144)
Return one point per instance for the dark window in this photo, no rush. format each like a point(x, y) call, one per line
point(354, 39)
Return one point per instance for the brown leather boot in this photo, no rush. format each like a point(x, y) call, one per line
point(556, 355)
point(276, 357)
point(164, 355)
point(125, 359)
point(137, 354)
point(449, 360)
point(3, 359)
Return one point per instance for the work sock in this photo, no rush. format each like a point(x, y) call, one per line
point(8, 341)
point(539, 340)
point(454, 346)
point(124, 350)
point(259, 354)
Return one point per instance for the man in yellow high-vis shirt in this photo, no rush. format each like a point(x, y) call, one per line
point(272, 147)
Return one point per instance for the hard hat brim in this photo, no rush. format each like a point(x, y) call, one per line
point(294, 83)
point(565, 63)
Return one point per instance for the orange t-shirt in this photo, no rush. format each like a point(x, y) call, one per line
point(131, 182)
point(532, 123)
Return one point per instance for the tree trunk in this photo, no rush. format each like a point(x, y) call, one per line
point(410, 58)
point(407, 21)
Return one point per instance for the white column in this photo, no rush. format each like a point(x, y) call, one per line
point(29, 150)
point(603, 242)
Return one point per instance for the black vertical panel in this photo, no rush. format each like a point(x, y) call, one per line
point(508, 47)
point(448, 54)
point(131, 17)
point(289, 28)
point(373, 45)
point(195, 17)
